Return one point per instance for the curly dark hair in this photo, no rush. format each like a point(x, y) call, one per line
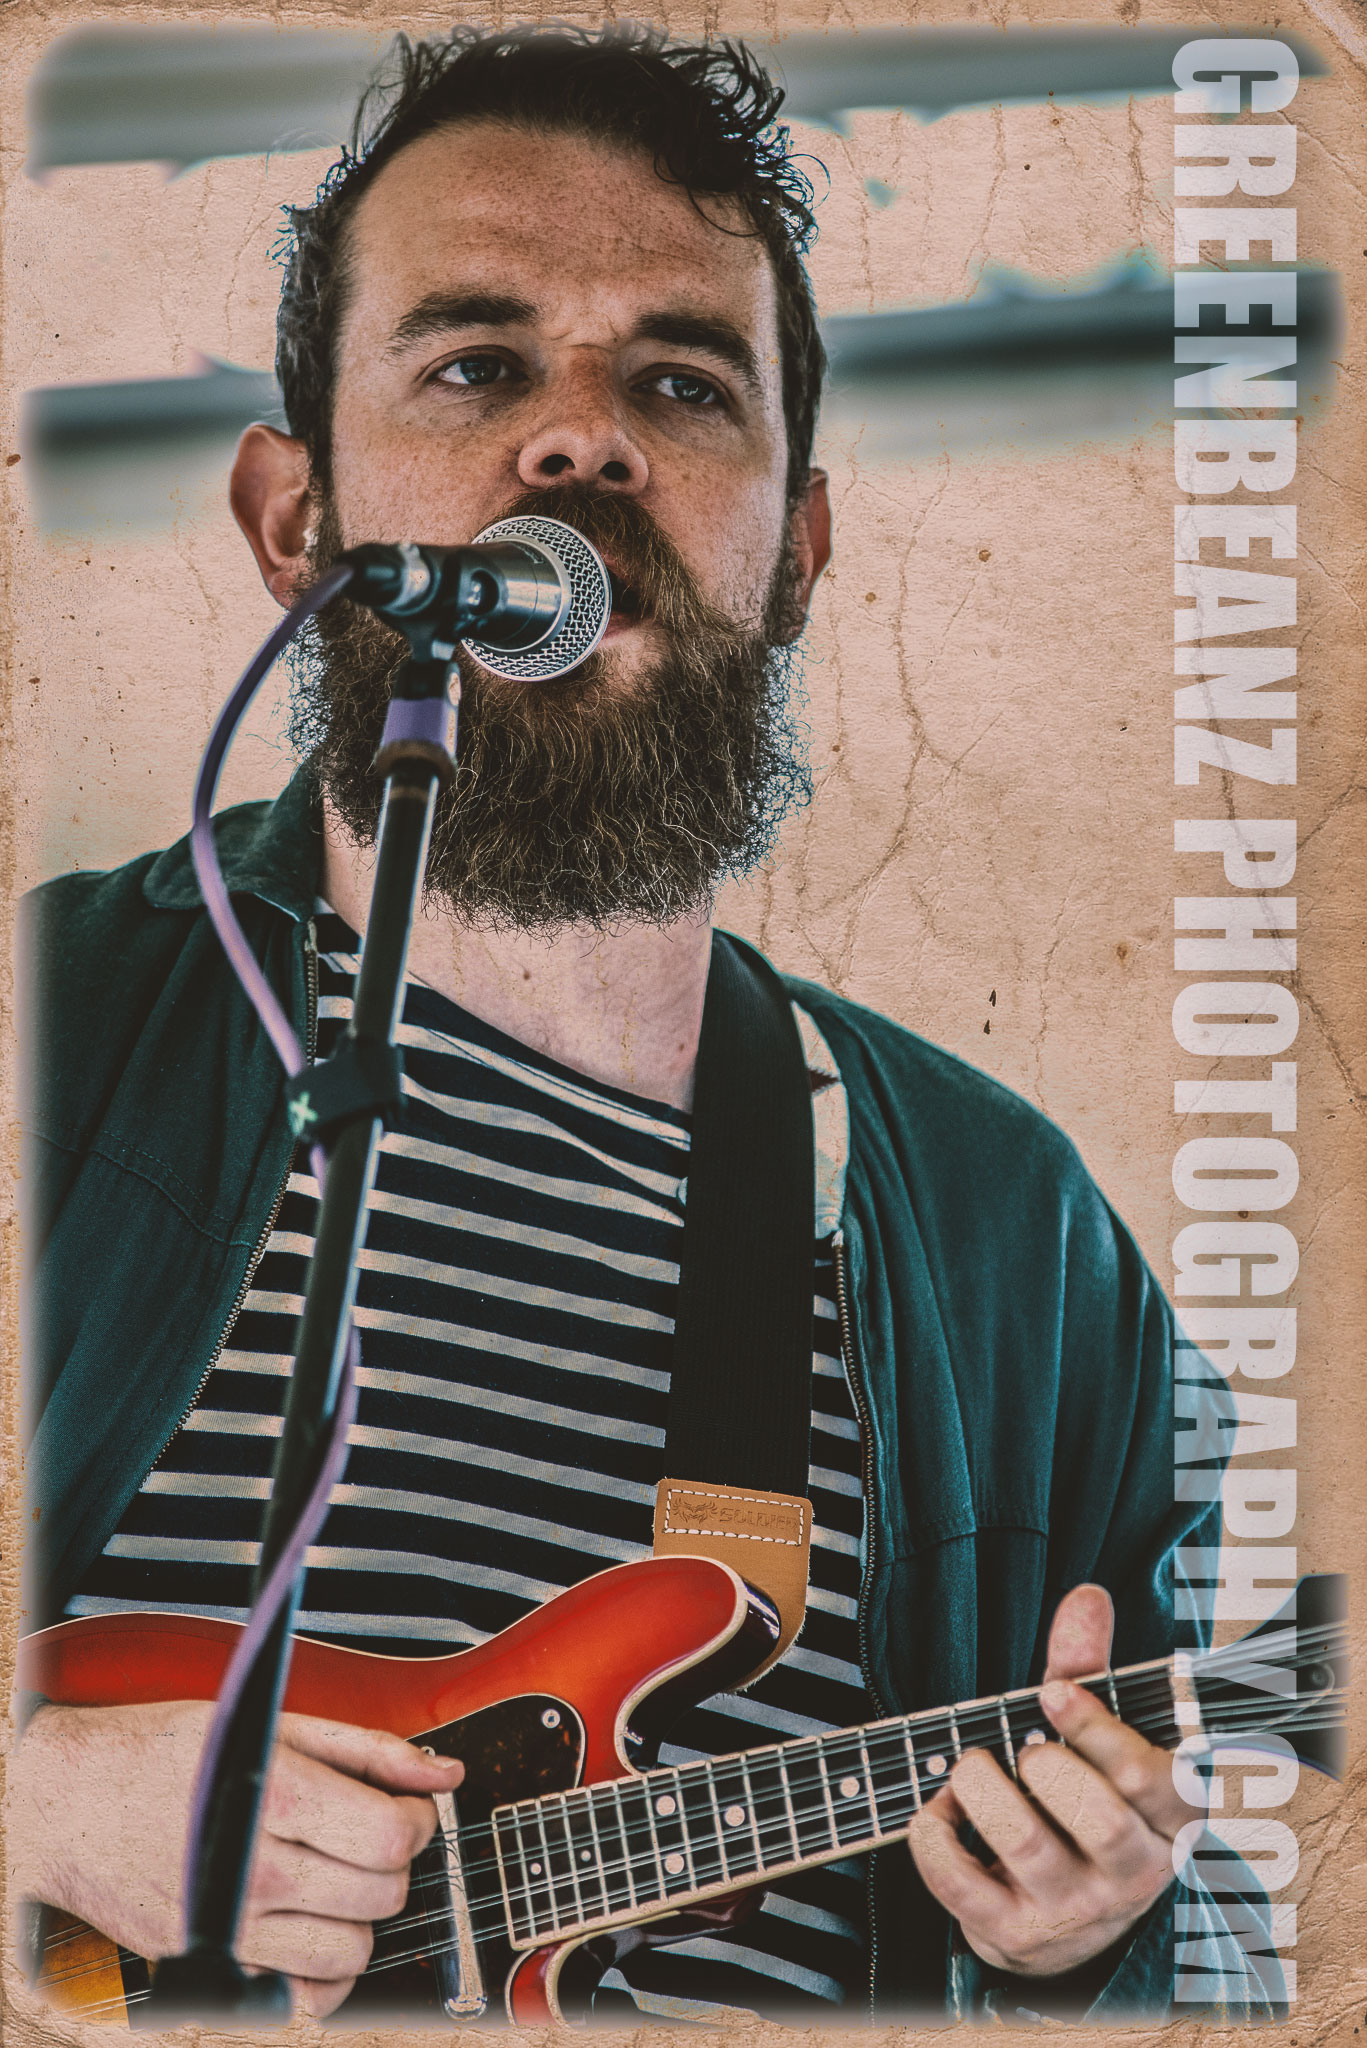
point(703, 112)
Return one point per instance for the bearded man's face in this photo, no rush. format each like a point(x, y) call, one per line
point(540, 322)
point(577, 801)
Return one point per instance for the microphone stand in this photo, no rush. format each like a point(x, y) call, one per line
point(344, 1104)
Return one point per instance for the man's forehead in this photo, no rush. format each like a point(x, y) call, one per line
point(545, 217)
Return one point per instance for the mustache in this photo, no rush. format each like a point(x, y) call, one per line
point(649, 576)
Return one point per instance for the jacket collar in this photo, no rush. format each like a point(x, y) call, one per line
point(275, 851)
point(270, 850)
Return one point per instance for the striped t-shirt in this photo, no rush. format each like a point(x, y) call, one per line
point(515, 1306)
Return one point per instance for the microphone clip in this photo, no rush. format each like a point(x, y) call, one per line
point(435, 596)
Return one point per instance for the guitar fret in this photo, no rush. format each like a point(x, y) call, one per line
point(750, 1812)
point(871, 1789)
point(685, 1832)
point(773, 1811)
point(1027, 1722)
point(702, 1827)
point(509, 1860)
point(1010, 1746)
point(645, 1868)
point(655, 1847)
point(537, 1876)
point(731, 1794)
point(557, 1814)
point(787, 1790)
point(826, 1794)
point(673, 1852)
point(551, 1880)
point(911, 1765)
point(722, 1858)
point(587, 1855)
point(811, 1807)
point(894, 1792)
point(850, 1795)
point(559, 1867)
point(611, 1808)
point(1115, 1696)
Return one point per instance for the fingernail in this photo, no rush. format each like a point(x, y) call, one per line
point(1056, 1695)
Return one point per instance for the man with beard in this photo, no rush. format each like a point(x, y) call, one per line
point(565, 275)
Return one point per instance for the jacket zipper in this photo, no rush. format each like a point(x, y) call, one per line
point(259, 1248)
point(842, 1310)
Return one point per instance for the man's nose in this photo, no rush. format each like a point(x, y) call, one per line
point(584, 437)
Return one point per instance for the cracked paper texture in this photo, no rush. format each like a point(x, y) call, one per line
point(989, 858)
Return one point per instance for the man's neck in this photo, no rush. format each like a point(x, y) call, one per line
point(623, 1007)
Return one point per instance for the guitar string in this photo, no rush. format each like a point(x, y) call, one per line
point(1229, 1660)
point(609, 1871)
point(492, 1920)
point(612, 1873)
point(547, 1937)
point(1151, 1718)
point(606, 1871)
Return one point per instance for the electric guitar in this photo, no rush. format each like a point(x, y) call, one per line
point(566, 1844)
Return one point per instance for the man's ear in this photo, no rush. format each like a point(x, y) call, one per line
point(269, 494)
point(810, 528)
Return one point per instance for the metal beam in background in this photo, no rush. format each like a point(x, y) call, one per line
point(1023, 358)
point(127, 454)
point(62, 421)
point(183, 95)
point(1034, 363)
point(931, 72)
point(1012, 319)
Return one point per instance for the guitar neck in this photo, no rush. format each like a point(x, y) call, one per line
point(613, 1852)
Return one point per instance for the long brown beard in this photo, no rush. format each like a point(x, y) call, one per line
point(579, 801)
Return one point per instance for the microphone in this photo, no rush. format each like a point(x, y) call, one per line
point(529, 596)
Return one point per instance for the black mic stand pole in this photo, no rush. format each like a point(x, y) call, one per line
point(343, 1103)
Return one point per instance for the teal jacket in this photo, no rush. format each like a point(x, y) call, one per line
point(1011, 1348)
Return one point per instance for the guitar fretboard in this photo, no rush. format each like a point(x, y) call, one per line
point(578, 1859)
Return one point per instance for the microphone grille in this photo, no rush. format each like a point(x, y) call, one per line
point(586, 614)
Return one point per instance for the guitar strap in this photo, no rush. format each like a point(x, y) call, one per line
point(740, 1399)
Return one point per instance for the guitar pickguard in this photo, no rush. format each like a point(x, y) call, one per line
point(516, 1749)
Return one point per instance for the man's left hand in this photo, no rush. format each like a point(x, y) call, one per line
point(1082, 1846)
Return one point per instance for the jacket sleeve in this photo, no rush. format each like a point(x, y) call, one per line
point(1203, 1949)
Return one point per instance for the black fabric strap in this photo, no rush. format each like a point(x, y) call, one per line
point(740, 1398)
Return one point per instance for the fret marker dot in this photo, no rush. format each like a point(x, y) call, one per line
point(1037, 1735)
point(586, 1856)
point(734, 1816)
point(536, 1870)
point(674, 1865)
point(848, 1787)
point(664, 1804)
point(936, 1766)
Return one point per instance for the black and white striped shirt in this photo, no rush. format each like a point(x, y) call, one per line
point(515, 1304)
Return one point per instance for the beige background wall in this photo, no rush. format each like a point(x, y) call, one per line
point(988, 673)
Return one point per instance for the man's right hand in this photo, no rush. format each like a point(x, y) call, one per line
point(100, 1809)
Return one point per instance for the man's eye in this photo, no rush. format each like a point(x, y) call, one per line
point(481, 369)
point(689, 389)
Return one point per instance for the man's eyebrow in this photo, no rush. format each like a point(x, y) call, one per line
point(440, 312)
point(712, 333)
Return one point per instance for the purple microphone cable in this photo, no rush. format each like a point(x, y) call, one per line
point(264, 1001)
